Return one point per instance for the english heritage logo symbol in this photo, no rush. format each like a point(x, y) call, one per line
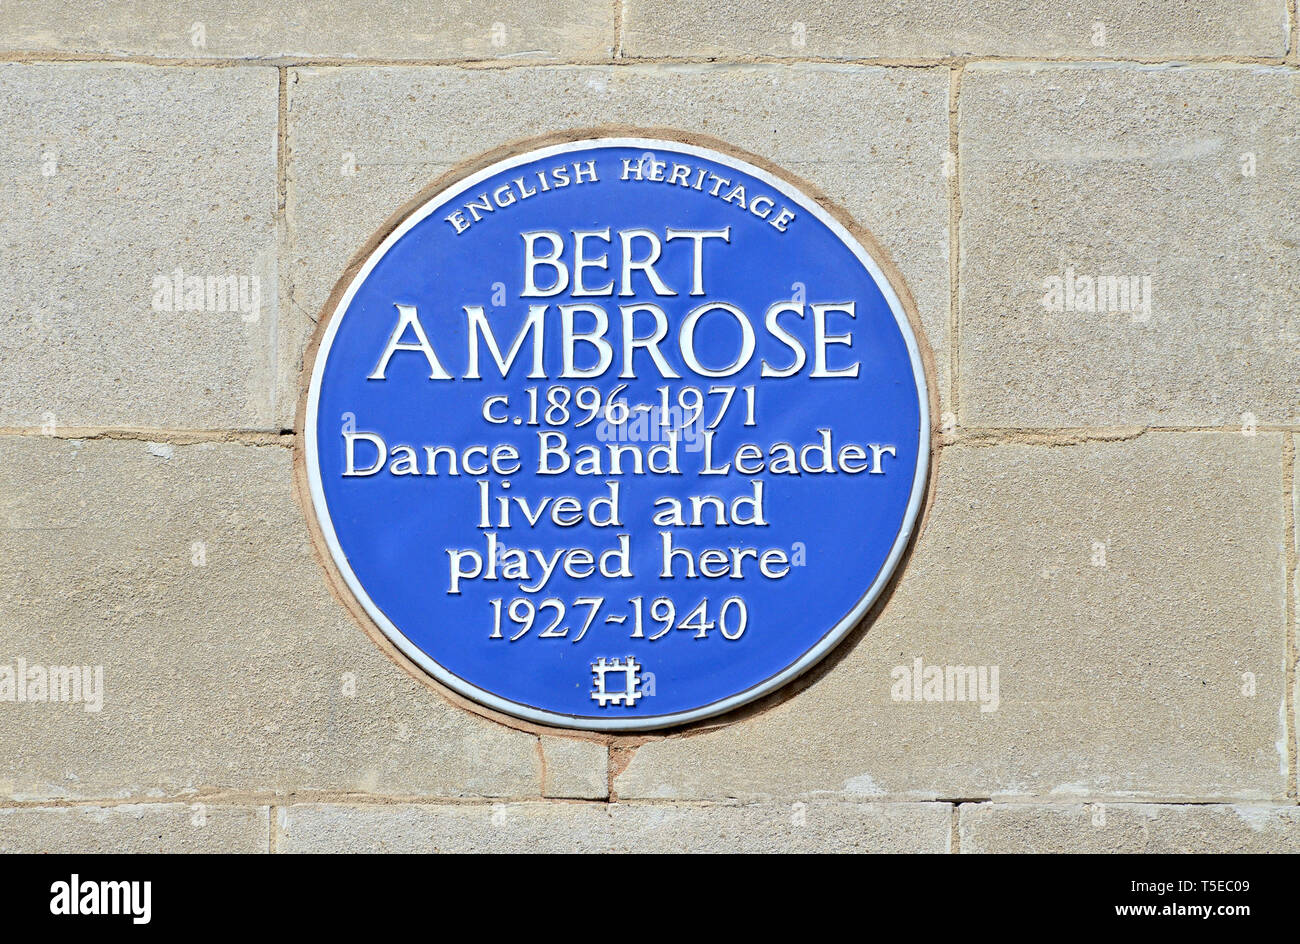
point(613, 403)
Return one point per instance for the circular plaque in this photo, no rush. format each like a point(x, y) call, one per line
point(617, 433)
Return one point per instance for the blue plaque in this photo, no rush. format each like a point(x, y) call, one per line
point(617, 433)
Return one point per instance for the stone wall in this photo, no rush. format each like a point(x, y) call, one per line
point(1114, 524)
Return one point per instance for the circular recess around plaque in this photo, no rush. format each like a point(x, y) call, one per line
point(617, 432)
